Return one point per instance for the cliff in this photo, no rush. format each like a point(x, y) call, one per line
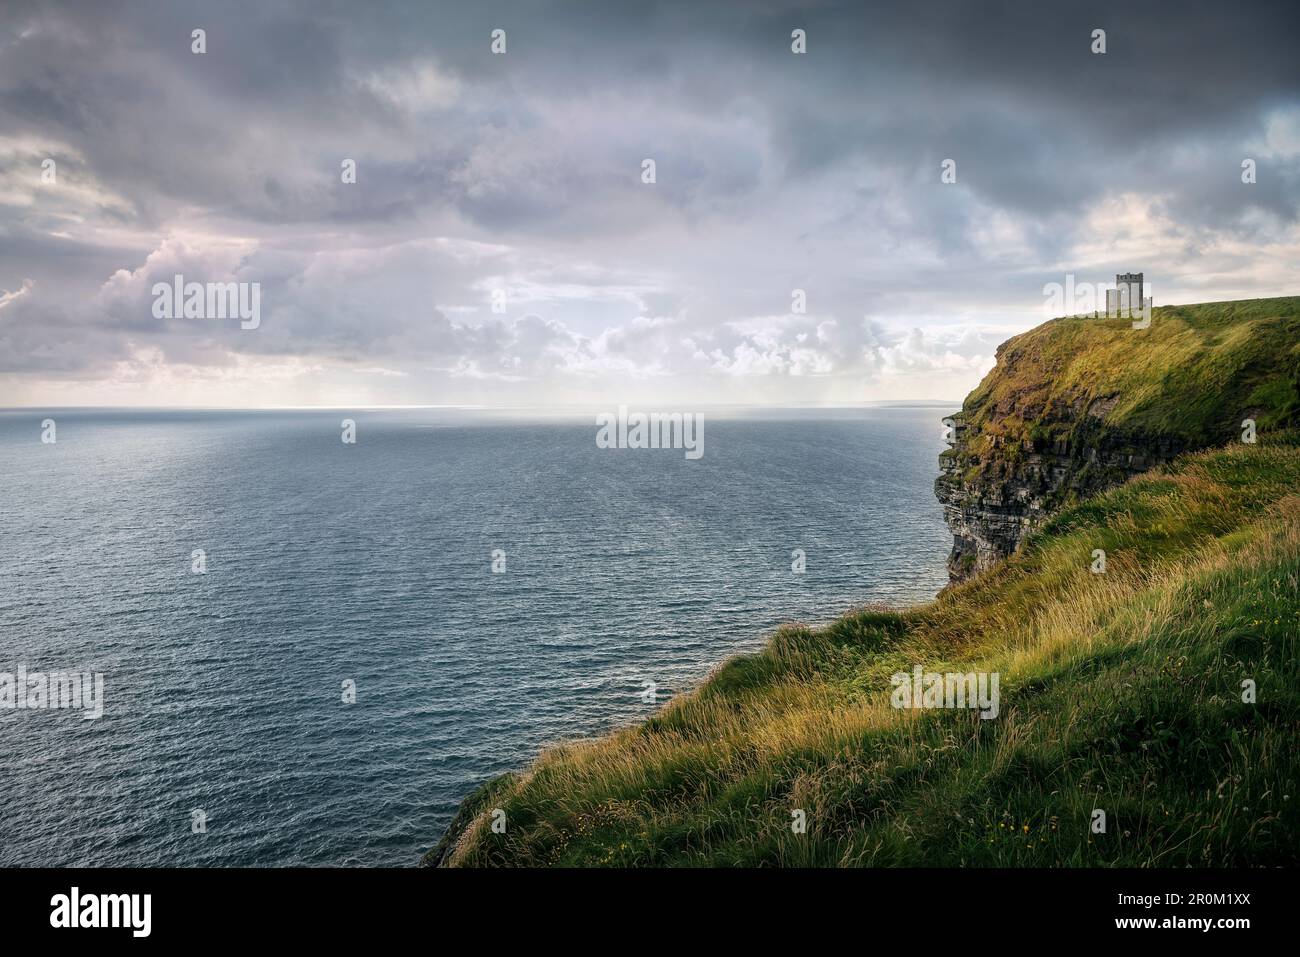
point(1076, 406)
point(1120, 691)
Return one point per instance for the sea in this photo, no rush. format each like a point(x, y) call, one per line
point(311, 650)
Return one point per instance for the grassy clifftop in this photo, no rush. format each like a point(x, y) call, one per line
point(1120, 692)
point(1190, 378)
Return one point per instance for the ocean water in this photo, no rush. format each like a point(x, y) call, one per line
point(372, 563)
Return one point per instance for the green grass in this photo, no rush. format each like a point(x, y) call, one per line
point(1119, 691)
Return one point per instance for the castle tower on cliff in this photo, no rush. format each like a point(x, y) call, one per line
point(1126, 299)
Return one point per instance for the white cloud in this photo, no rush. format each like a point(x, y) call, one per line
point(414, 87)
point(7, 297)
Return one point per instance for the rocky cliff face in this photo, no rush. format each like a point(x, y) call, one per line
point(996, 489)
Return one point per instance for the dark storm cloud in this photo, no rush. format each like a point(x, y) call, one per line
point(1011, 88)
point(775, 171)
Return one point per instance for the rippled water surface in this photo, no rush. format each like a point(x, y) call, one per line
point(372, 563)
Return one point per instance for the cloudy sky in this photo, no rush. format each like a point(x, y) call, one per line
point(519, 175)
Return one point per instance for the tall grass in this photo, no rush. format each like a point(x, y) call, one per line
point(1120, 692)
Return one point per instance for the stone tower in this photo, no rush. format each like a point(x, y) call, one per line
point(1126, 298)
point(1129, 281)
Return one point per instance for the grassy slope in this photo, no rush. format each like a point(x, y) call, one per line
point(1119, 691)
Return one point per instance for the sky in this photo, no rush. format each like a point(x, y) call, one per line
point(500, 245)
